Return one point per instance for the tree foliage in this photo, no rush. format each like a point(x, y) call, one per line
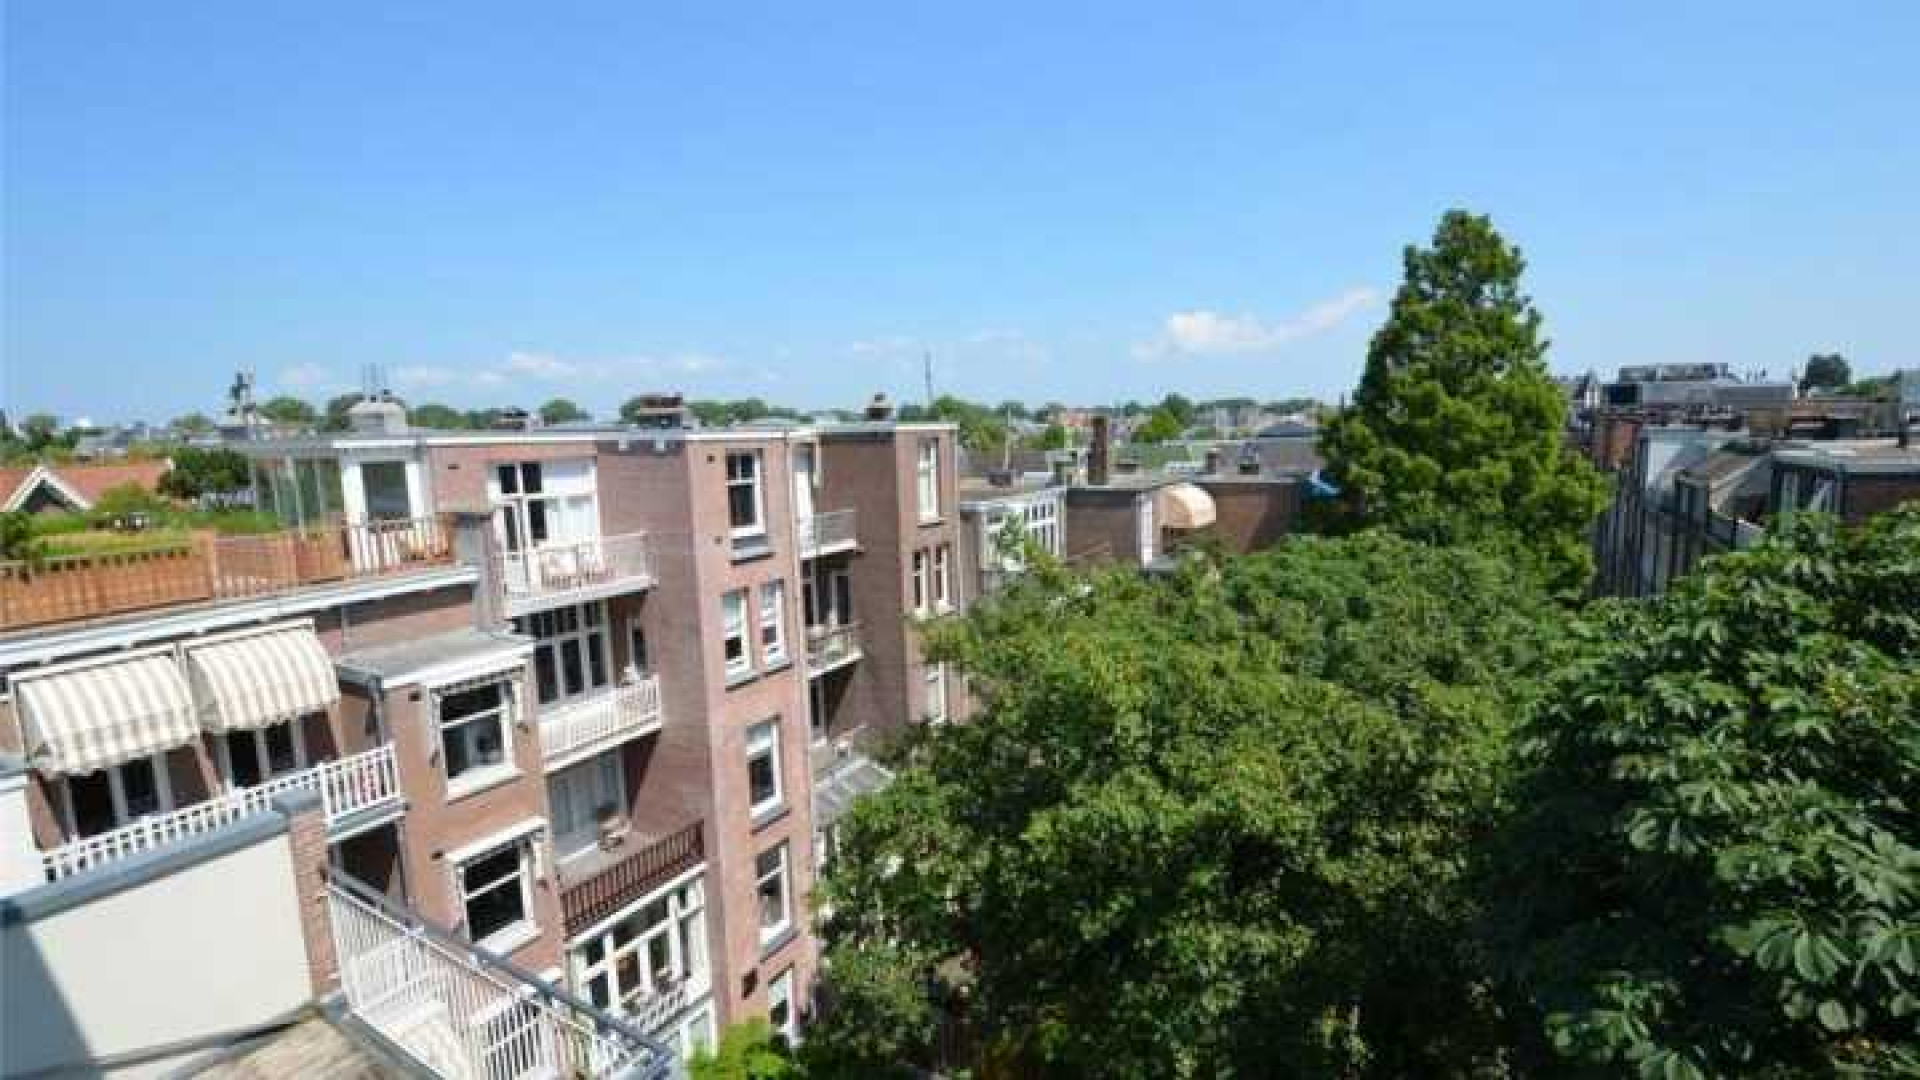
point(198, 472)
point(1162, 426)
point(1826, 371)
point(562, 411)
point(432, 414)
point(875, 1013)
point(747, 1051)
point(1456, 431)
point(1717, 867)
point(288, 410)
point(1215, 825)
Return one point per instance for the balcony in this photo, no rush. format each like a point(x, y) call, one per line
point(600, 885)
point(830, 648)
point(825, 534)
point(460, 1011)
point(201, 567)
point(356, 792)
point(572, 573)
point(573, 733)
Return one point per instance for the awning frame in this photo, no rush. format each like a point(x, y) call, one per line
point(30, 727)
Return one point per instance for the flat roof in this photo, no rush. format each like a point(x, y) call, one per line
point(407, 661)
point(414, 437)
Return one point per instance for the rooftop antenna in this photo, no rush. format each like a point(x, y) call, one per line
point(929, 376)
point(1006, 439)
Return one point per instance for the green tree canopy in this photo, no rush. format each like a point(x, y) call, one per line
point(1179, 407)
point(1214, 825)
point(288, 410)
point(337, 413)
point(193, 423)
point(562, 411)
point(1826, 371)
point(1162, 426)
point(1717, 867)
point(1456, 432)
point(197, 472)
point(432, 414)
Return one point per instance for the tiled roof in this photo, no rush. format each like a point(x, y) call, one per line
point(93, 481)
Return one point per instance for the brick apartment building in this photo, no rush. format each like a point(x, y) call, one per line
point(565, 697)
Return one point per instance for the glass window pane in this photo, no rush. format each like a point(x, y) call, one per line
point(142, 787)
point(570, 666)
point(92, 800)
point(530, 477)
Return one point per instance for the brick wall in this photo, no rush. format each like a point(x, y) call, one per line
point(1253, 514)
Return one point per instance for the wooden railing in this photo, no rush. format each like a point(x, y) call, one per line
point(460, 1011)
point(588, 901)
point(349, 786)
point(207, 567)
point(629, 709)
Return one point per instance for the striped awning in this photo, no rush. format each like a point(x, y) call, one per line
point(1186, 507)
point(262, 679)
point(87, 719)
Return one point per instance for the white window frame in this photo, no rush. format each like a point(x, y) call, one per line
point(733, 626)
point(927, 477)
point(756, 482)
point(685, 931)
point(484, 775)
point(943, 577)
point(780, 992)
point(607, 781)
point(773, 623)
point(117, 793)
point(782, 872)
point(763, 741)
point(936, 697)
point(514, 934)
point(589, 621)
point(922, 581)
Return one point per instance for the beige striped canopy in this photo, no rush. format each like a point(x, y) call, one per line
point(86, 719)
point(263, 679)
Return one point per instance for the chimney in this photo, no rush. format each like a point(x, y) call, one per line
point(514, 419)
point(1215, 456)
point(1097, 454)
point(879, 408)
point(378, 414)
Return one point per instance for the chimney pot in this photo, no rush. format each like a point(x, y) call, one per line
point(1097, 454)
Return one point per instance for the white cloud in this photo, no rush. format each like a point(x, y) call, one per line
point(1210, 333)
point(541, 366)
point(425, 375)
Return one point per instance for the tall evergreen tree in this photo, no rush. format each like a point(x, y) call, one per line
point(1456, 432)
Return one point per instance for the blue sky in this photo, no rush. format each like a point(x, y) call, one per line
point(504, 202)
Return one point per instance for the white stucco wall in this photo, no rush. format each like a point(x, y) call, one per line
point(209, 948)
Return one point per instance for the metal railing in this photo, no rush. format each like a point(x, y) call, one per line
point(567, 568)
point(349, 786)
point(826, 530)
point(462, 1012)
point(629, 709)
point(204, 567)
point(586, 902)
point(831, 646)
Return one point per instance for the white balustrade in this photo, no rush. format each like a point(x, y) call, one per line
point(629, 709)
point(348, 786)
point(582, 566)
point(461, 1012)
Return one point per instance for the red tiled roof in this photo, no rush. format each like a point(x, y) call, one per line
point(11, 477)
point(93, 481)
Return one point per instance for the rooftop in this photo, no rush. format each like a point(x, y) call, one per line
point(408, 660)
point(312, 1048)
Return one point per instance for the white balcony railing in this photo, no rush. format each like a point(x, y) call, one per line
point(583, 569)
point(829, 647)
point(820, 532)
point(350, 786)
point(627, 711)
point(461, 1012)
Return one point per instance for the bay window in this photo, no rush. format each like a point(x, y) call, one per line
point(474, 730)
point(496, 893)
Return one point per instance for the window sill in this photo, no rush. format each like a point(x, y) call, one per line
point(771, 945)
point(775, 667)
point(930, 522)
point(474, 783)
point(760, 820)
point(737, 679)
point(505, 941)
point(749, 548)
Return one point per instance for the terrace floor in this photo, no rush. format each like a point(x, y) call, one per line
point(311, 1048)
